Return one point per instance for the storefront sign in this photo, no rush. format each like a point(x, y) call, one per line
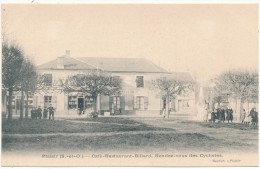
point(127, 91)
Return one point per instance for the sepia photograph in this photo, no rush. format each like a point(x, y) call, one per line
point(129, 84)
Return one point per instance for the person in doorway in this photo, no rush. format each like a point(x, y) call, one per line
point(51, 112)
point(80, 108)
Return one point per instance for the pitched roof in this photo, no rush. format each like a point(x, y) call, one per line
point(182, 76)
point(106, 64)
point(123, 64)
point(69, 63)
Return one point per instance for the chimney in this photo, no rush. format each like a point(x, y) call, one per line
point(67, 53)
point(60, 62)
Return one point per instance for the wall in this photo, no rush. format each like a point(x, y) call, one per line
point(129, 91)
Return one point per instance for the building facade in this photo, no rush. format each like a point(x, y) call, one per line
point(137, 96)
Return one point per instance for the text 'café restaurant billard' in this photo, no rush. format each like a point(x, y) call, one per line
point(135, 97)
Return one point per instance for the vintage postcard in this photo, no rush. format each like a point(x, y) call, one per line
point(129, 84)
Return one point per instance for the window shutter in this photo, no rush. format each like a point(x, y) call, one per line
point(122, 102)
point(110, 102)
point(146, 102)
point(135, 104)
point(54, 102)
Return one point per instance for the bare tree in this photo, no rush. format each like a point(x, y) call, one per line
point(94, 83)
point(12, 60)
point(171, 87)
point(242, 85)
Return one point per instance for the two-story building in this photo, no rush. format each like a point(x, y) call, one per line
point(136, 96)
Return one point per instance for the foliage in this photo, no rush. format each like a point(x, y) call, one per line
point(28, 82)
point(12, 61)
point(240, 84)
point(172, 87)
point(93, 83)
point(29, 76)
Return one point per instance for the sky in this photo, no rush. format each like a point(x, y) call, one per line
point(205, 39)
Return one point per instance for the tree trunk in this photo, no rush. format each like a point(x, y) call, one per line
point(248, 106)
point(22, 104)
point(167, 106)
point(95, 103)
point(238, 107)
point(10, 99)
point(213, 105)
point(26, 108)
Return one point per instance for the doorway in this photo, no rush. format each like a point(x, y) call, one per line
point(81, 104)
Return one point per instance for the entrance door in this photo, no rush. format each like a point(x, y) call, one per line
point(81, 104)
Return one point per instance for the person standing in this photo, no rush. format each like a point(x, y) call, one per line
point(247, 118)
point(206, 114)
point(243, 116)
point(39, 112)
point(32, 114)
point(51, 112)
point(45, 113)
point(229, 115)
point(213, 116)
point(164, 112)
point(254, 116)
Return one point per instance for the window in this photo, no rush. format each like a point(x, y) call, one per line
point(48, 79)
point(47, 101)
point(141, 103)
point(116, 101)
point(139, 81)
point(72, 102)
point(116, 77)
point(89, 102)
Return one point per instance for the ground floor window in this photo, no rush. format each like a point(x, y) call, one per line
point(80, 102)
point(116, 102)
point(184, 104)
point(141, 103)
point(47, 101)
point(89, 101)
point(72, 102)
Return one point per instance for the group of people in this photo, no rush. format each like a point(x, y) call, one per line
point(223, 114)
point(249, 117)
point(38, 113)
point(219, 114)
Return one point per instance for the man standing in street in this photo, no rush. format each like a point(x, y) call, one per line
point(51, 112)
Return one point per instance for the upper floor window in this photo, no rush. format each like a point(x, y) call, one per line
point(116, 77)
point(139, 81)
point(48, 79)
